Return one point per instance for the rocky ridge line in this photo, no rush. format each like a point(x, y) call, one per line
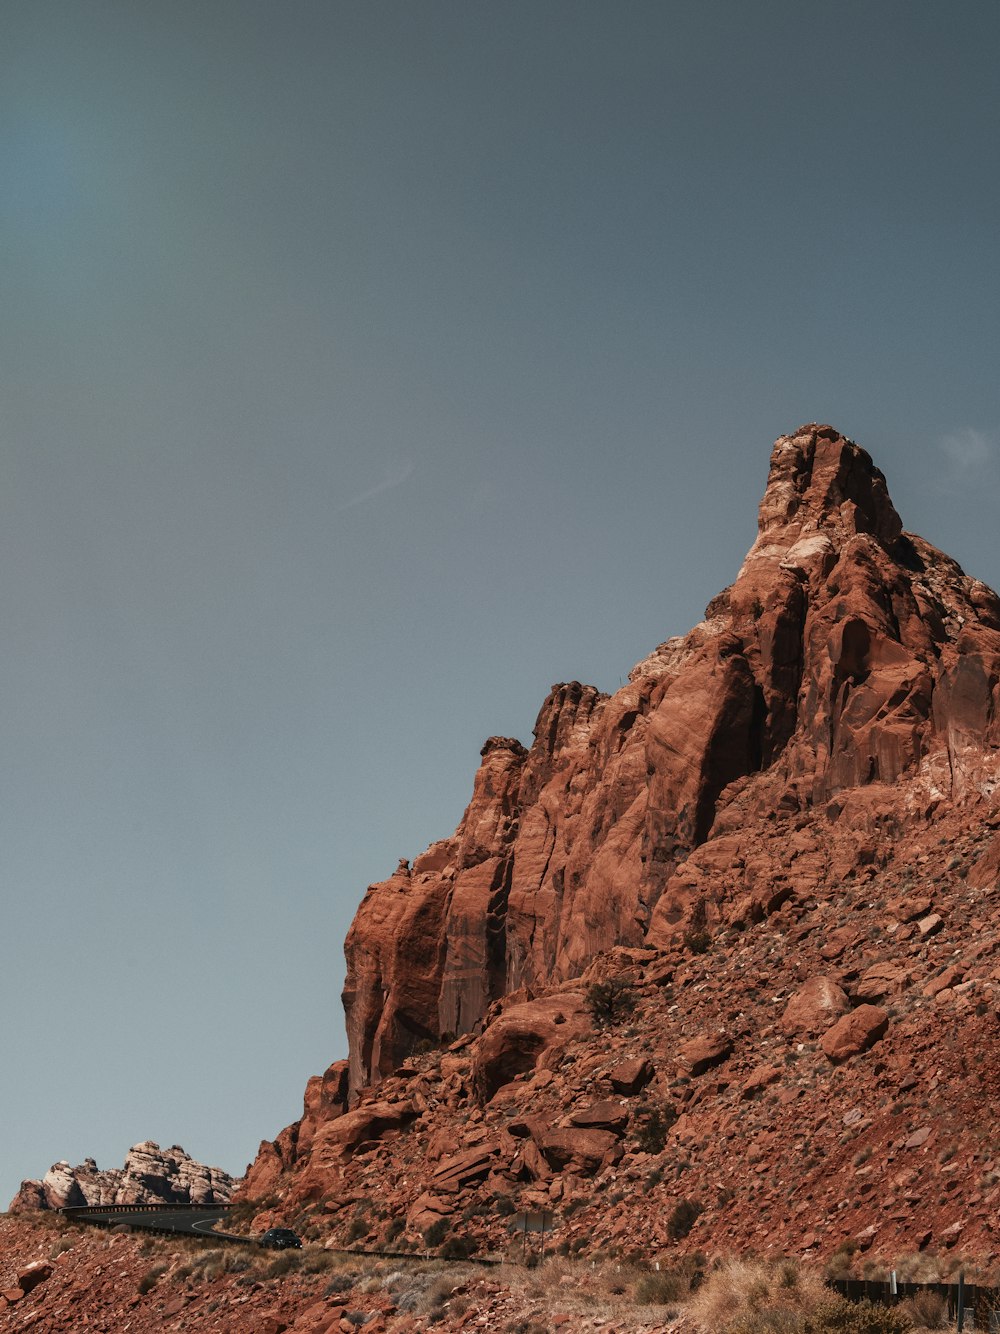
point(150, 1175)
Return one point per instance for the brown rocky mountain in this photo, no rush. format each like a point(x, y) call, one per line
point(726, 936)
point(150, 1175)
point(847, 655)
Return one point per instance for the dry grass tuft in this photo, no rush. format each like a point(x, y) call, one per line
point(776, 1293)
point(927, 1310)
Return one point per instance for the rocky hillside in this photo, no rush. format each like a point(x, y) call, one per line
point(151, 1175)
point(725, 939)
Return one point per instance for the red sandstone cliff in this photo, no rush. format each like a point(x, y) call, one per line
point(847, 653)
point(780, 843)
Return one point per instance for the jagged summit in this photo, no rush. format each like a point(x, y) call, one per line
point(821, 480)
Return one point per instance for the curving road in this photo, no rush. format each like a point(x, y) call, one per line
point(198, 1220)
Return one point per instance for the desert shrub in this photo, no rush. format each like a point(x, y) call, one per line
point(697, 937)
point(779, 1320)
point(440, 1290)
point(651, 1133)
point(843, 1317)
point(150, 1279)
point(60, 1246)
point(436, 1233)
point(283, 1264)
point(504, 1205)
point(237, 1264)
point(750, 1297)
point(458, 1248)
point(394, 1227)
point(840, 1262)
point(610, 1002)
point(340, 1283)
point(357, 1228)
point(659, 1289)
point(317, 1261)
point(682, 1219)
point(928, 1310)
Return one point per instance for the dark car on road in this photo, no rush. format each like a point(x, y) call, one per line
point(279, 1239)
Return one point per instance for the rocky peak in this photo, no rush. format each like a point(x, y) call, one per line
point(777, 845)
point(847, 655)
point(821, 481)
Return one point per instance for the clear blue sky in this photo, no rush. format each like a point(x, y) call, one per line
point(366, 368)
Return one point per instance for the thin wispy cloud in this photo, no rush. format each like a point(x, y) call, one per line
point(968, 452)
point(394, 477)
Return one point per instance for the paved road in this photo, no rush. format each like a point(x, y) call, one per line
point(172, 1218)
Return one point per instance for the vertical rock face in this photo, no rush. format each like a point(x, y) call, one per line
point(846, 654)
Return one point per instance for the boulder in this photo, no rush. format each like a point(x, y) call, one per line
point(459, 1170)
point(602, 1116)
point(760, 1078)
point(881, 979)
point(339, 1138)
point(630, 1077)
point(579, 1151)
point(699, 1054)
point(814, 1007)
point(522, 1036)
point(33, 1274)
point(855, 1032)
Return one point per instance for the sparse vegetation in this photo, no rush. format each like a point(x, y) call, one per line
point(436, 1233)
point(610, 1002)
point(661, 1289)
point(282, 1264)
point(843, 1317)
point(745, 1297)
point(697, 937)
point(755, 1298)
point(682, 1218)
point(654, 1127)
point(150, 1278)
point(926, 1310)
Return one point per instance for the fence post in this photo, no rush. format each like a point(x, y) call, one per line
point(961, 1300)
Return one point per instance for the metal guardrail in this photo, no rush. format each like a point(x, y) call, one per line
point(103, 1215)
point(82, 1209)
point(95, 1214)
point(963, 1299)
